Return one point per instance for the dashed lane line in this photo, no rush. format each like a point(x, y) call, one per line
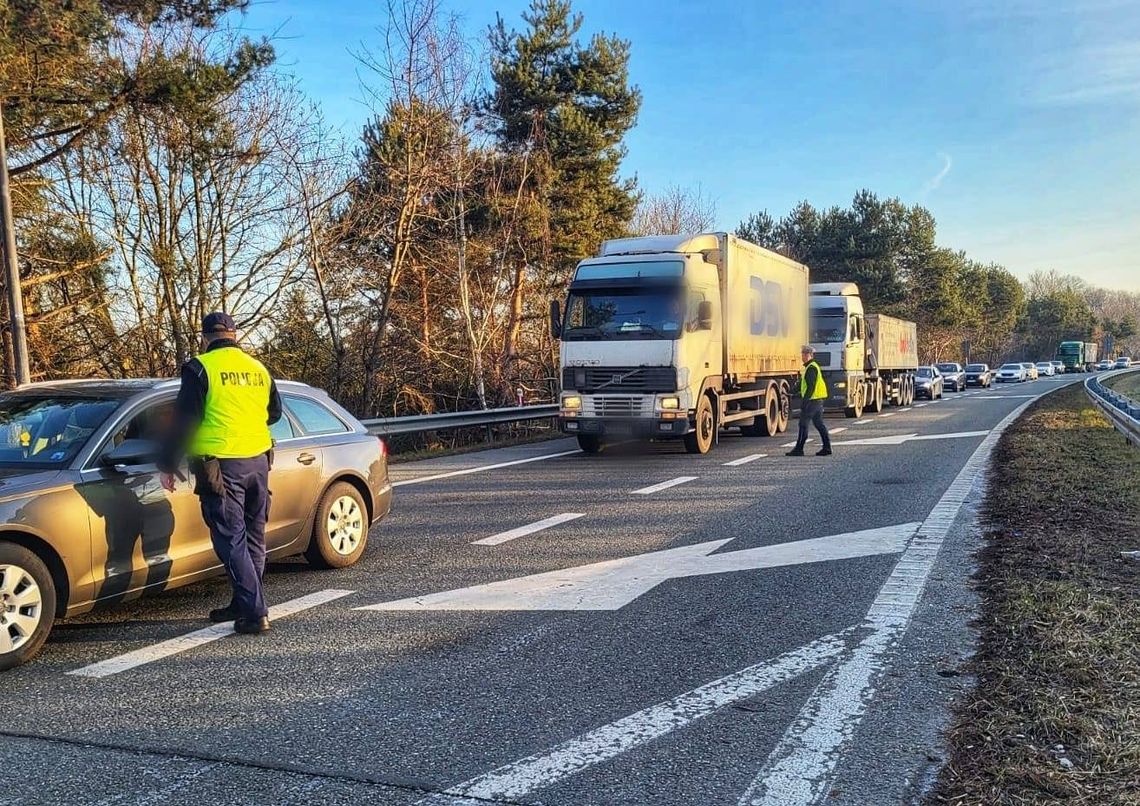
point(482, 468)
point(743, 460)
point(665, 485)
point(517, 779)
point(193, 640)
point(530, 528)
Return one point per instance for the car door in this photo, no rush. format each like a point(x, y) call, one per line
point(294, 481)
point(143, 538)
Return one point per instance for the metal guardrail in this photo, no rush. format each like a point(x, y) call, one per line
point(420, 423)
point(1122, 412)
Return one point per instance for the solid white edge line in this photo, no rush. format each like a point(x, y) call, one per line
point(514, 780)
point(192, 640)
point(530, 528)
point(664, 485)
point(481, 468)
point(750, 458)
point(798, 771)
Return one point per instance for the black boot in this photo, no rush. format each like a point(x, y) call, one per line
point(251, 625)
point(227, 613)
point(823, 452)
point(795, 452)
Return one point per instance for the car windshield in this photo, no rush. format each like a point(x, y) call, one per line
point(1012, 366)
point(976, 368)
point(1044, 365)
point(38, 431)
point(624, 314)
point(948, 367)
point(924, 372)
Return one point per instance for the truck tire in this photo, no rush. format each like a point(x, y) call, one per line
point(785, 395)
point(27, 604)
point(877, 399)
point(701, 439)
point(591, 443)
point(855, 411)
point(766, 424)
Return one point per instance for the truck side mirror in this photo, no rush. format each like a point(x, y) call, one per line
point(555, 319)
point(704, 315)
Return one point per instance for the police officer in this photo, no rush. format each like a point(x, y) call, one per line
point(813, 392)
point(225, 405)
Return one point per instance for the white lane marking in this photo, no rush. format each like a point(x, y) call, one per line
point(193, 640)
point(920, 405)
point(743, 460)
point(1007, 397)
point(482, 468)
point(899, 439)
point(830, 431)
point(612, 584)
point(860, 422)
point(792, 444)
point(798, 771)
point(837, 430)
point(530, 528)
point(664, 485)
point(887, 414)
point(905, 408)
point(516, 779)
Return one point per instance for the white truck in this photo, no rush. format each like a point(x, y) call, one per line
point(868, 360)
point(680, 336)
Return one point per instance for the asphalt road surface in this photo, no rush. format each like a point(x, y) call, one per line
point(532, 625)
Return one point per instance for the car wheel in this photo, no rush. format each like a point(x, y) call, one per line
point(340, 530)
point(27, 605)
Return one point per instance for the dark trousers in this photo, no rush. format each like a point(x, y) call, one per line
point(811, 411)
point(237, 528)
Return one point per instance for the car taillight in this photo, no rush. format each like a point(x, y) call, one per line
point(383, 448)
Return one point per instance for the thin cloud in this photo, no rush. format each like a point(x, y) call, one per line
point(934, 182)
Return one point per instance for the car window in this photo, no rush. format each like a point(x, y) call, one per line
point(313, 417)
point(282, 429)
point(152, 423)
point(48, 430)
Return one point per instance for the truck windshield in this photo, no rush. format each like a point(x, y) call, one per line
point(828, 326)
point(624, 314)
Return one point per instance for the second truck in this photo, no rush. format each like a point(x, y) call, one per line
point(1077, 356)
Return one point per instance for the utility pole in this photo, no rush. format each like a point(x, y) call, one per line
point(12, 267)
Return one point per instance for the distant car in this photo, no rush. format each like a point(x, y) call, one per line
point(1031, 373)
point(85, 521)
point(1104, 364)
point(979, 375)
point(1058, 367)
point(1011, 373)
point(953, 376)
point(1046, 368)
point(1124, 362)
point(928, 383)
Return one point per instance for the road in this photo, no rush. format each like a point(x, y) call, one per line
point(532, 625)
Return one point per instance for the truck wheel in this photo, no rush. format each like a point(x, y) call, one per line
point(701, 439)
point(590, 443)
point(785, 395)
point(877, 400)
point(855, 411)
point(27, 605)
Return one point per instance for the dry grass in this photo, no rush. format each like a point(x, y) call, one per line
point(1058, 663)
point(1128, 384)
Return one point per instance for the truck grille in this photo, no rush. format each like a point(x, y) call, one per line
point(620, 379)
point(616, 406)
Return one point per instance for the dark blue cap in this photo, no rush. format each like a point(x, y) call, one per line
point(218, 322)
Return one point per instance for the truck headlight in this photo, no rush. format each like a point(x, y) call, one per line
point(841, 384)
point(572, 402)
point(672, 402)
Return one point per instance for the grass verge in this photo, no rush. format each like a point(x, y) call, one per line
point(1055, 716)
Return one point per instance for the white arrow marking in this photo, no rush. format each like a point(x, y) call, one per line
point(530, 528)
point(665, 485)
point(612, 584)
point(899, 439)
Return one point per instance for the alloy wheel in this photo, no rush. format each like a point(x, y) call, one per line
point(21, 607)
point(345, 525)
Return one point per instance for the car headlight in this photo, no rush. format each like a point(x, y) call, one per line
point(672, 402)
point(572, 402)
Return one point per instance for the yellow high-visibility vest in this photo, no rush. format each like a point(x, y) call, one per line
point(237, 406)
point(819, 391)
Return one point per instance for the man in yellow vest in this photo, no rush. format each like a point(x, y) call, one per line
point(813, 393)
point(225, 405)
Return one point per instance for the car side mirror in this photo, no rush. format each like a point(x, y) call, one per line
point(555, 319)
point(704, 315)
point(131, 453)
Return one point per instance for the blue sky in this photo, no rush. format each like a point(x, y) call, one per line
point(1016, 123)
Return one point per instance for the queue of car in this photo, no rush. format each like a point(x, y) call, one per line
point(953, 376)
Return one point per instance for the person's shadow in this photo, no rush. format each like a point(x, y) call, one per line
point(134, 508)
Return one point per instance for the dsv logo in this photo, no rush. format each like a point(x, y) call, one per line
point(768, 308)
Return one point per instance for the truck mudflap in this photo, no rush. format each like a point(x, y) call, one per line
point(639, 427)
